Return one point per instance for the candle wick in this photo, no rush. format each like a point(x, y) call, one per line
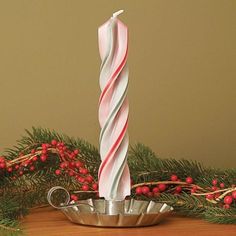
point(117, 13)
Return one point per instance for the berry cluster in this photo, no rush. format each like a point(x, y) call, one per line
point(69, 164)
point(175, 185)
point(215, 194)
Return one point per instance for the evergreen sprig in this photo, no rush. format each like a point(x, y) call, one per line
point(146, 167)
point(29, 190)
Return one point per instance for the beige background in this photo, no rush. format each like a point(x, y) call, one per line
point(182, 72)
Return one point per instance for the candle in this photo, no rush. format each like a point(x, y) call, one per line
point(114, 176)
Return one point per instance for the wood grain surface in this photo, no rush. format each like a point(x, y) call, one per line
point(50, 222)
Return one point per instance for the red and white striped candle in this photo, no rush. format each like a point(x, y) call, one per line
point(114, 176)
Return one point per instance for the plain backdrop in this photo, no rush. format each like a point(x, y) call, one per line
point(182, 62)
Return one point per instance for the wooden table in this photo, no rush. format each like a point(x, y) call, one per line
point(50, 222)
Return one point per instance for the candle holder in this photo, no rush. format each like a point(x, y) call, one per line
point(105, 213)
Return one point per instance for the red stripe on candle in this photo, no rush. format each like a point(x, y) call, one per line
point(118, 141)
point(113, 76)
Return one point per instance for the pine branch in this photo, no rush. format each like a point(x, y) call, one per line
point(32, 187)
point(220, 215)
point(146, 168)
point(185, 204)
point(10, 211)
point(9, 227)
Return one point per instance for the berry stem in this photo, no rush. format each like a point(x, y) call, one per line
point(9, 228)
point(228, 190)
point(166, 182)
point(89, 191)
point(31, 156)
point(224, 194)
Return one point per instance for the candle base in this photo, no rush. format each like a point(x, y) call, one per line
point(117, 214)
point(113, 207)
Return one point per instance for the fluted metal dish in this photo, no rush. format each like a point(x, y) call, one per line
point(92, 212)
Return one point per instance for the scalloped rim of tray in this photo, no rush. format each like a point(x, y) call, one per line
point(137, 213)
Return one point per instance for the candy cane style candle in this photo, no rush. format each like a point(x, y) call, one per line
point(114, 176)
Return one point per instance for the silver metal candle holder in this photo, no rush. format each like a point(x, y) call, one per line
point(103, 213)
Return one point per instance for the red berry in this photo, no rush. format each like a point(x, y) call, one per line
point(162, 187)
point(76, 151)
point(228, 200)
point(189, 180)
point(145, 189)
point(214, 182)
point(226, 206)
point(32, 168)
point(33, 151)
point(78, 164)
point(17, 167)
point(71, 155)
point(2, 159)
point(44, 151)
point(61, 152)
point(26, 163)
point(9, 169)
point(81, 179)
point(44, 146)
point(71, 173)
point(43, 158)
point(35, 158)
point(72, 164)
point(85, 187)
point(89, 179)
point(21, 173)
point(54, 142)
point(2, 165)
point(155, 190)
point(57, 172)
point(138, 190)
point(193, 190)
point(195, 187)
point(174, 177)
point(64, 165)
point(83, 171)
point(178, 189)
point(210, 196)
point(222, 185)
point(234, 194)
point(214, 188)
point(95, 186)
point(74, 197)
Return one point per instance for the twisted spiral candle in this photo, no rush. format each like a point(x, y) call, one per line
point(114, 176)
